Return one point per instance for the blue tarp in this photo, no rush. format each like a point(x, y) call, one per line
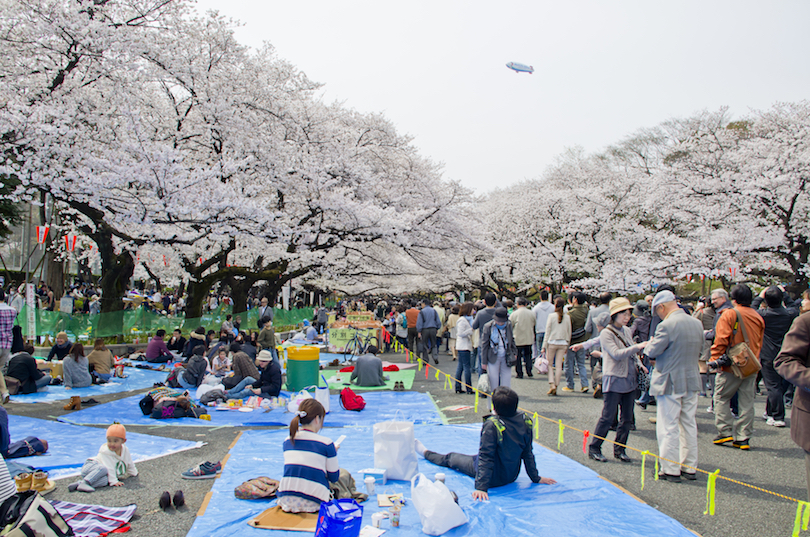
point(70, 445)
point(380, 406)
point(136, 379)
point(580, 504)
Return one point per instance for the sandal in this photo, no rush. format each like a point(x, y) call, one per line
point(257, 489)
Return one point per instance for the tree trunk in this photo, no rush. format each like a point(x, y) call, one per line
point(54, 274)
point(197, 292)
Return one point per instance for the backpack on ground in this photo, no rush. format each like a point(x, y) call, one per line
point(27, 513)
point(351, 401)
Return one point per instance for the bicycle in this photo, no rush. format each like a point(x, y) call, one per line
point(357, 345)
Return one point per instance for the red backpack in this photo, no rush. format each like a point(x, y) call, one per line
point(351, 401)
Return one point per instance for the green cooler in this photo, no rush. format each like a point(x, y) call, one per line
point(303, 367)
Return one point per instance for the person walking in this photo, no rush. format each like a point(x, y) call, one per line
point(498, 351)
point(427, 326)
point(620, 365)
point(576, 359)
point(541, 312)
point(555, 343)
point(676, 347)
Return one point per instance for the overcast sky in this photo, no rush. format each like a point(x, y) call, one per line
point(603, 69)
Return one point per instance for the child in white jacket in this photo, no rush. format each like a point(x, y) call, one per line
point(112, 463)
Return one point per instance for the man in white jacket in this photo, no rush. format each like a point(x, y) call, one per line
point(541, 312)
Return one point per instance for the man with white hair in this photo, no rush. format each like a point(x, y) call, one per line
point(676, 347)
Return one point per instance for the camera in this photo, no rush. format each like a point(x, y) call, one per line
point(720, 362)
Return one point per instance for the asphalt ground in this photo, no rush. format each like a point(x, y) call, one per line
point(774, 462)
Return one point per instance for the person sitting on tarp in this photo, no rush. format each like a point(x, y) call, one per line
point(506, 441)
point(310, 462)
point(23, 367)
point(101, 361)
point(193, 372)
point(156, 350)
point(368, 369)
point(197, 337)
point(28, 446)
point(62, 347)
point(177, 343)
point(269, 383)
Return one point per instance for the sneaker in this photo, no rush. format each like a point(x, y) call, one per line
point(567, 389)
point(584, 389)
point(721, 439)
point(776, 423)
point(205, 470)
point(741, 444)
point(710, 410)
point(766, 417)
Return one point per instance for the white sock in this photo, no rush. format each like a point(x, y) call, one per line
point(419, 447)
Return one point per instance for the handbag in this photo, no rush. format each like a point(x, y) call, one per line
point(394, 449)
point(541, 364)
point(339, 518)
point(437, 509)
point(27, 513)
point(322, 395)
point(744, 362)
point(483, 383)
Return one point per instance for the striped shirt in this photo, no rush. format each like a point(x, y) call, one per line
point(7, 486)
point(310, 464)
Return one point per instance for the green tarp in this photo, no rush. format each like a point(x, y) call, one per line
point(140, 321)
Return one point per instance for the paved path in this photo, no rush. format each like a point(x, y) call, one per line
point(774, 463)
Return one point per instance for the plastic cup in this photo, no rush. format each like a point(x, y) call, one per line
point(369, 481)
point(440, 477)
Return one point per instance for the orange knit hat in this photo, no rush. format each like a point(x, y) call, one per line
point(117, 430)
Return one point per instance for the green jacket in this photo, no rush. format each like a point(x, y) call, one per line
point(579, 316)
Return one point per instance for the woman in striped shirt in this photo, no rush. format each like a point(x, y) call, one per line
point(310, 462)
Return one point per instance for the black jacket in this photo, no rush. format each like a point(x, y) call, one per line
point(270, 381)
point(505, 442)
point(777, 323)
point(177, 346)
point(23, 367)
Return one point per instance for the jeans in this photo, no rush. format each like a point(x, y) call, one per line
point(464, 366)
point(538, 344)
point(476, 361)
point(613, 401)
point(579, 358)
point(524, 356)
point(242, 390)
point(466, 464)
point(181, 380)
point(44, 381)
point(103, 376)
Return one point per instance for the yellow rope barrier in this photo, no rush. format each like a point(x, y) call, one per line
point(713, 476)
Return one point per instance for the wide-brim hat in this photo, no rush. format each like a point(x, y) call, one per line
point(265, 356)
point(618, 305)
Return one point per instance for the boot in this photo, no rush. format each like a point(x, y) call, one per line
point(41, 483)
point(23, 482)
point(75, 403)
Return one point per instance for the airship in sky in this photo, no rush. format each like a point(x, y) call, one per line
point(520, 68)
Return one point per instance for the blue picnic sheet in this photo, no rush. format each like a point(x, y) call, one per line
point(136, 379)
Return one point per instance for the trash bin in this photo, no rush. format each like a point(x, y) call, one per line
point(303, 366)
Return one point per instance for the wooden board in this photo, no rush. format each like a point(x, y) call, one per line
point(276, 519)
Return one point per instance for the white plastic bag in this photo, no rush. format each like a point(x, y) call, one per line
point(295, 400)
point(541, 364)
point(394, 450)
point(437, 510)
point(483, 383)
point(322, 395)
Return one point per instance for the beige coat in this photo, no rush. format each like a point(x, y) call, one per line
point(793, 363)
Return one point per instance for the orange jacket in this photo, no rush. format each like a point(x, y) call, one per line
point(754, 326)
point(412, 315)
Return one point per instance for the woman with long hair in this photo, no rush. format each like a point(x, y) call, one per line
point(556, 342)
point(76, 368)
point(310, 462)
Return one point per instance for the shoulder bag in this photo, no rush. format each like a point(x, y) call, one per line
point(744, 362)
